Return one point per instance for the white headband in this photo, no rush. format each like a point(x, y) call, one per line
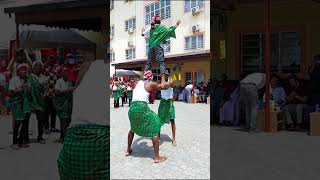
point(36, 62)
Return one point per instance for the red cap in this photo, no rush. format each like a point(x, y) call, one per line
point(148, 75)
point(156, 19)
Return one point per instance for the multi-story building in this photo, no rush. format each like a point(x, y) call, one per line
point(187, 52)
point(241, 30)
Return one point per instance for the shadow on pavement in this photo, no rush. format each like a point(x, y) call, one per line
point(143, 150)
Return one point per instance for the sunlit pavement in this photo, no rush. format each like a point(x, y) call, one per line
point(189, 160)
point(263, 156)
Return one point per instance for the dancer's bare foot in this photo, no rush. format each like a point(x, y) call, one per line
point(160, 159)
point(174, 143)
point(129, 152)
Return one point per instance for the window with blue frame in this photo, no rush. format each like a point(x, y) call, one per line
point(194, 42)
point(161, 8)
point(189, 4)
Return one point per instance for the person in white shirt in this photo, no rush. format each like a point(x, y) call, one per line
point(167, 97)
point(249, 87)
point(17, 90)
point(38, 82)
point(63, 102)
point(188, 92)
point(87, 140)
point(143, 121)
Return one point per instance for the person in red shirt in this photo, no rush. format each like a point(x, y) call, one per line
point(131, 83)
point(71, 68)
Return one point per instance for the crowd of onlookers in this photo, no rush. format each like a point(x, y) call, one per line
point(200, 91)
point(294, 96)
point(121, 89)
point(28, 86)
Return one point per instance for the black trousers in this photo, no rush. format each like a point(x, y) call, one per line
point(116, 103)
point(21, 131)
point(40, 119)
point(64, 124)
point(156, 52)
point(125, 98)
point(49, 112)
point(122, 100)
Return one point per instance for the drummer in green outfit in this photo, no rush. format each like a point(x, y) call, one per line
point(167, 97)
point(143, 121)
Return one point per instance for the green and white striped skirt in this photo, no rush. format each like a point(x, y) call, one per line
point(85, 153)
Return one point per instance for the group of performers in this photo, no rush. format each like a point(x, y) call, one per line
point(143, 121)
point(122, 90)
point(31, 91)
point(84, 131)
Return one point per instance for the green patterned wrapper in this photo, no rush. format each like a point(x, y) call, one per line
point(19, 106)
point(143, 121)
point(166, 110)
point(36, 95)
point(121, 91)
point(63, 105)
point(161, 34)
point(86, 153)
point(129, 94)
point(116, 95)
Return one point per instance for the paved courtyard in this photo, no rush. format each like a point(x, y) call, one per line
point(189, 160)
point(38, 162)
point(263, 156)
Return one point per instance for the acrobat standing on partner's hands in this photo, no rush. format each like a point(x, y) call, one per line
point(158, 34)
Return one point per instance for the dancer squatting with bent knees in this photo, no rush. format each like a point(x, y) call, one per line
point(143, 121)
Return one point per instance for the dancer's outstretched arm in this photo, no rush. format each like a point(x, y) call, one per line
point(10, 65)
point(152, 86)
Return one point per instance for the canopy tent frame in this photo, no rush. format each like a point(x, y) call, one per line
point(63, 15)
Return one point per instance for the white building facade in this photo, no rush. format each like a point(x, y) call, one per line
point(128, 17)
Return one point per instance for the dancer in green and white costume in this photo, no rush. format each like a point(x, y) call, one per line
point(20, 107)
point(85, 152)
point(143, 121)
point(167, 97)
point(116, 93)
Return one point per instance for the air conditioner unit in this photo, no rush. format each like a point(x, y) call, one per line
point(195, 28)
point(130, 43)
point(130, 30)
point(195, 10)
